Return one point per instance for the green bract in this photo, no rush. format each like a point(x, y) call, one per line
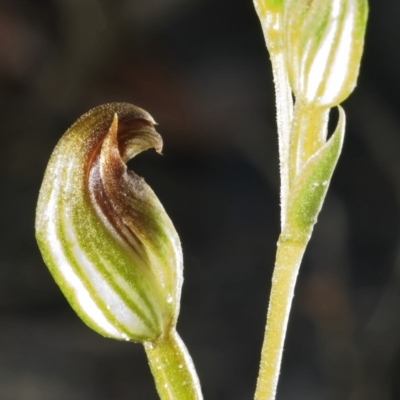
point(311, 184)
point(103, 233)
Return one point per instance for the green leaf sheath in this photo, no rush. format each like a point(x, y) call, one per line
point(310, 186)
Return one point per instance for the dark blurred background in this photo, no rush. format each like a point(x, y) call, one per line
point(201, 69)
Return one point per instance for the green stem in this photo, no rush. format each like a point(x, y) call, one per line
point(288, 258)
point(173, 369)
point(284, 106)
point(284, 103)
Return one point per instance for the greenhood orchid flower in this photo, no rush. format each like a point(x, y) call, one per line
point(103, 233)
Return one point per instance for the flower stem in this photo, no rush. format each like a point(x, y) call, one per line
point(284, 107)
point(288, 258)
point(173, 369)
point(271, 23)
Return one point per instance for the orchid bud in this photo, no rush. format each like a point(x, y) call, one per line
point(323, 47)
point(103, 234)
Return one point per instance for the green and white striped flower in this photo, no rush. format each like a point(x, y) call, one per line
point(323, 47)
point(103, 233)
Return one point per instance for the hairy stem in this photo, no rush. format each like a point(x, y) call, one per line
point(284, 106)
point(288, 258)
point(173, 369)
point(271, 24)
